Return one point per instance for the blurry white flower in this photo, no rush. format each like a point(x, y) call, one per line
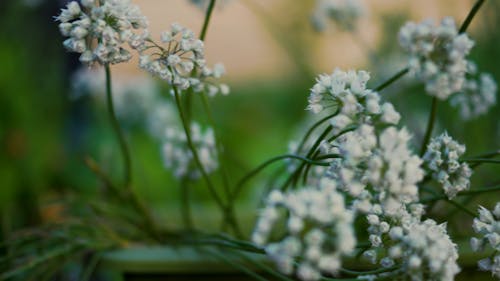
point(477, 96)
point(487, 225)
point(427, 252)
point(179, 158)
point(99, 30)
point(442, 158)
point(344, 13)
point(437, 55)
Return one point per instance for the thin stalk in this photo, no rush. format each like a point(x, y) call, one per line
point(185, 207)
point(313, 127)
point(262, 166)
point(462, 193)
point(310, 154)
point(470, 16)
point(219, 146)
point(118, 131)
point(391, 80)
point(208, 15)
point(241, 267)
point(375, 271)
point(262, 266)
point(91, 267)
point(430, 126)
point(308, 167)
point(482, 160)
point(227, 210)
point(126, 158)
point(191, 146)
point(462, 208)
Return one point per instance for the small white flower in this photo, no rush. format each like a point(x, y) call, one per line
point(488, 227)
point(442, 158)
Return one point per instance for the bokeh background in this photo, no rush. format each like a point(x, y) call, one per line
point(49, 123)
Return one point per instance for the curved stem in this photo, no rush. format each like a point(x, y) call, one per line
point(117, 129)
point(296, 174)
point(375, 271)
point(430, 126)
point(313, 127)
point(262, 166)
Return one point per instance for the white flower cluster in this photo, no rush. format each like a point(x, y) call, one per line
point(99, 30)
point(180, 57)
point(379, 170)
point(437, 55)
point(345, 13)
point(442, 158)
point(477, 96)
point(356, 103)
point(425, 251)
point(178, 157)
point(488, 226)
point(318, 230)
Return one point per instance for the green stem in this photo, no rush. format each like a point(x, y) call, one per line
point(126, 159)
point(185, 208)
point(462, 208)
point(117, 129)
point(231, 262)
point(313, 127)
point(208, 15)
point(262, 166)
point(227, 210)
point(391, 80)
point(482, 160)
point(191, 146)
point(375, 271)
point(470, 16)
point(310, 154)
point(430, 126)
point(462, 193)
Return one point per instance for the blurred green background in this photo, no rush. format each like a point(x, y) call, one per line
point(45, 134)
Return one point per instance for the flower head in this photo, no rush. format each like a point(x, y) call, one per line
point(356, 104)
point(178, 157)
point(180, 61)
point(318, 228)
point(487, 226)
point(344, 13)
point(477, 96)
point(437, 55)
point(442, 158)
point(99, 30)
